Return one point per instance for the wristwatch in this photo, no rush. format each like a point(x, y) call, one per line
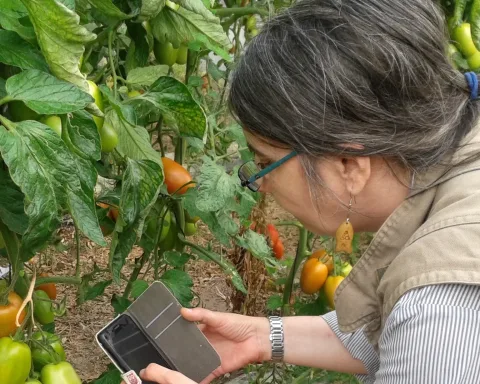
point(277, 338)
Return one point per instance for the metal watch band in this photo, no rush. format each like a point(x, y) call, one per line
point(277, 338)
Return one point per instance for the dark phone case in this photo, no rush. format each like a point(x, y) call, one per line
point(178, 341)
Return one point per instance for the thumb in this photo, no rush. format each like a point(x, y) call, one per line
point(202, 315)
point(162, 375)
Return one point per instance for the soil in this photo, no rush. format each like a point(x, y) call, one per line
point(78, 327)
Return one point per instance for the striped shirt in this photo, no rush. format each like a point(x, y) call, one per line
point(432, 336)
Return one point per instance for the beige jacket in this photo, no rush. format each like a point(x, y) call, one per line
point(433, 237)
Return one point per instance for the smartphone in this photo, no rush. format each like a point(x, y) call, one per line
point(128, 347)
point(152, 330)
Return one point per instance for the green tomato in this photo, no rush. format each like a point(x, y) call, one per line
point(170, 240)
point(152, 226)
point(20, 112)
point(165, 53)
point(97, 95)
point(182, 54)
point(53, 122)
point(32, 381)
point(108, 138)
point(251, 23)
point(190, 229)
point(463, 36)
point(15, 361)
point(48, 350)
point(133, 94)
point(62, 373)
point(346, 268)
point(474, 61)
point(253, 32)
point(43, 308)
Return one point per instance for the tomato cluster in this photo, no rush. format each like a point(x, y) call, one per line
point(319, 273)
point(32, 359)
point(167, 54)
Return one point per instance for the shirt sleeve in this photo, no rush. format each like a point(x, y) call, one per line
point(431, 336)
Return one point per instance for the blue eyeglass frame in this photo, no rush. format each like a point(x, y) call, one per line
point(266, 170)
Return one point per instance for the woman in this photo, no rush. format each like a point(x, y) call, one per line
point(355, 112)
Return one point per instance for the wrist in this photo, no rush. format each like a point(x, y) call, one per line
point(263, 338)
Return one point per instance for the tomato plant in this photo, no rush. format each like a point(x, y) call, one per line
point(129, 137)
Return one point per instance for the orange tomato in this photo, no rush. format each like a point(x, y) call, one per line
point(321, 254)
point(49, 288)
point(8, 314)
point(330, 287)
point(175, 176)
point(314, 274)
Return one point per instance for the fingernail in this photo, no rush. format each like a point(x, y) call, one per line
point(142, 372)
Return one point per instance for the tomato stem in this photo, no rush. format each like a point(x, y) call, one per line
point(300, 255)
point(135, 273)
point(7, 123)
point(110, 59)
point(240, 11)
point(70, 280)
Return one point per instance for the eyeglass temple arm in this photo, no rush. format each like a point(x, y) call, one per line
point(271, 167)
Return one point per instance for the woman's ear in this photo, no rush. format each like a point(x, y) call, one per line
point(356, 172)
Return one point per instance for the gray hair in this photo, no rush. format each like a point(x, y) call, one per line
point(371, 72)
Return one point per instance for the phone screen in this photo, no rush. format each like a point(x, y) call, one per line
point(128, 346)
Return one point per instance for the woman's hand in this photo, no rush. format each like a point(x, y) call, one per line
point(239, 340)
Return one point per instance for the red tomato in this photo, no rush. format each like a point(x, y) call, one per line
point(175, 176)
point(49, 288)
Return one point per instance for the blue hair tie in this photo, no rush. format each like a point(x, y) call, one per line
point(472, 81)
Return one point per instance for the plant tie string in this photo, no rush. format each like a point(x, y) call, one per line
point(472, 81)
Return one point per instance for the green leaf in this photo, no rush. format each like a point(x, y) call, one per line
point(125, 112)
point(192, 22)
point(150, 9)
point(70, 4)
point(180, 283)
point(111, 376)
point(173, 99)
point(215, 187)
point(257, 244)
point(274, 302)
point(176, 259)
point(141, 185)
point(45, 94)
point(146, 76)
point(61, 38)
point(43, 167)
point(133, 141)
point(83, 135)
point(107, 8)
point(11, 204)
point(119, 304)
point(96, 290)
point(138, 287)
point(138, 56)
point(11, 11)
point(17, 52)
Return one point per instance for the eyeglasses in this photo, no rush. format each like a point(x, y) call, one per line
point(250, 174)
